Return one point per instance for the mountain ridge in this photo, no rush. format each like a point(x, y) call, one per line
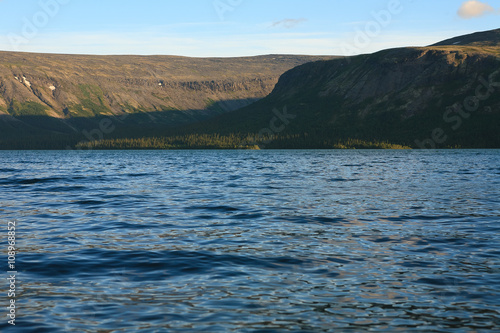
point(481, 38)
point(68, 87)
point(403, 97)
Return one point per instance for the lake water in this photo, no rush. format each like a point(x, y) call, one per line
point(253, 241)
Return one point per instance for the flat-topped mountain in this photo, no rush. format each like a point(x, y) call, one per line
point(444, 95)
point(166, 90)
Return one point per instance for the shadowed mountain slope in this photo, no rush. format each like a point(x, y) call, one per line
point(438, 96)
point(441, 96)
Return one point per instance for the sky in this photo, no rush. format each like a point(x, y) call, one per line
point(229, 28)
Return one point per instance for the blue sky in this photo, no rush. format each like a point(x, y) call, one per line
point(236, 27)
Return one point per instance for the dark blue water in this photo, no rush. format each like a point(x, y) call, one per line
point(253, 241)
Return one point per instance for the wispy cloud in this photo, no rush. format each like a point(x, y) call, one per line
point(284, 42)
point(288, 23)
point(474, 8)
point(177, 44)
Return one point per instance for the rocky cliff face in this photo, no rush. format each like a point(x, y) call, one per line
point(72, 86)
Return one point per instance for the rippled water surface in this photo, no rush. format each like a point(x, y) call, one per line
point(254, 241)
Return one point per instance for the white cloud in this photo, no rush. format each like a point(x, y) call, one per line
point(287, 23)
point(474, 8)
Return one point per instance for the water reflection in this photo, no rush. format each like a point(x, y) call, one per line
point(255, 241)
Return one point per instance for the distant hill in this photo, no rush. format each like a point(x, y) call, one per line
point(445, 95)
point(484, 38)
point(442, 96)
point(52, 95)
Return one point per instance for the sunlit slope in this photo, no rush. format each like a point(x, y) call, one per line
point(72, 90)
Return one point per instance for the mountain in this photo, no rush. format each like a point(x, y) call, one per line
point(441, 96)
point(51, 94)
point(480, 39)
point(444, 95)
